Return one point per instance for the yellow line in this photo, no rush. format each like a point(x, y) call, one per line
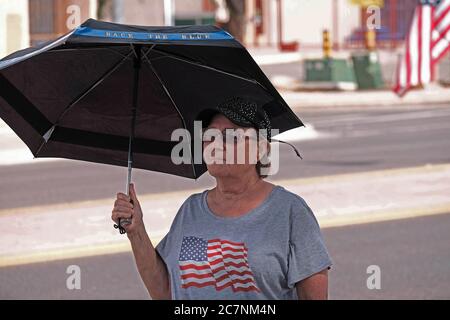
point(98, 250)
point(168, 195)
point(67, 253)
point(368, 174)
point(389, 215)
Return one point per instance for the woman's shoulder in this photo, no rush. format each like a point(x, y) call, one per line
point(188, 207)
point(297, 205)
point(194, 198)
point(290, 196)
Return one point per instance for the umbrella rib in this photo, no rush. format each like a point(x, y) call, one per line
point(47, 135)
point(93, 86)
point(89, 48)
point(173, 103)
point(169, 55)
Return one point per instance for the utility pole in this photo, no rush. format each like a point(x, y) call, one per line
point(169, 9)
point(117, 11)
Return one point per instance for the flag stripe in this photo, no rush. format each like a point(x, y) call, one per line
point(238, 244)
point(428, 40)
point(425, 45)
point(440, 46)
point(413, 50)
point(443, 5)
point(216, 262)
point(228, 248)
point(442, 11)
point(441, 29)
point(193, 266)
point(229, 263)
point(198, 285)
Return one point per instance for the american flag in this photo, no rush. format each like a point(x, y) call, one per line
point(216, 262)
point(427, 42)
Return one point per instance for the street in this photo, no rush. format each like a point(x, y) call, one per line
point(109, 81)
point(345, 142)
point(412, 254)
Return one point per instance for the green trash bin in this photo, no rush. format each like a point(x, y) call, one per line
point(329, 73)
point(367, 70)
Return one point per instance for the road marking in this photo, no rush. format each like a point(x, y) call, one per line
point(388, 215)
point(338, 120)
point(116, 248)
point(67, 253)
point(391, 131)
point(276, 58)
point(167, 195)
point(353, 219)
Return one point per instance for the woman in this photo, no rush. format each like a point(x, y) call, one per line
point(244, 239)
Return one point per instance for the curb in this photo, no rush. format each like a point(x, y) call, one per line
point(384, 98)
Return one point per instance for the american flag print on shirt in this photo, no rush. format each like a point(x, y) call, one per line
point(216, 262)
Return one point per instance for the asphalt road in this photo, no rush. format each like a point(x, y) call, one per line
point(293, 70)
point(412, 254)
point(359, 139)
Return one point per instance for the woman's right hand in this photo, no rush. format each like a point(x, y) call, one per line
point(125, 209)
point(150, 265)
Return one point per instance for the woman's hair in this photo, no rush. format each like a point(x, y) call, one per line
point(265, 165)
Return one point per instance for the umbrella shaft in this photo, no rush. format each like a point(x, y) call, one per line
point(137, 66)
point(129, 177)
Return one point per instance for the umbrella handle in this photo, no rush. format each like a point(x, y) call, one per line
point(125, 221)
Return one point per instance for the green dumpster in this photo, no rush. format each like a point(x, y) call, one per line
point(329, 73)
point(367, 70)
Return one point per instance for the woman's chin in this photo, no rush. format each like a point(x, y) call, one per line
point(218, 170)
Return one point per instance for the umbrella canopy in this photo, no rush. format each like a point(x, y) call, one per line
point(85, 94)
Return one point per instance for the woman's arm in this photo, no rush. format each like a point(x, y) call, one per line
point(151, 267)
point(314, 287)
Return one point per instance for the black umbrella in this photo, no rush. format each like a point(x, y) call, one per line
point(113, 94)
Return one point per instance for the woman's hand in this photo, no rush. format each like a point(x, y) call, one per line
point(150, 265)
point(126, 209)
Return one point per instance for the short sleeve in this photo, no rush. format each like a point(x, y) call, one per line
point(161, 247)
point(168, 242)
point(307, 251)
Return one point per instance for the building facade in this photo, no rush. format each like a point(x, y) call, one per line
point(25, 23)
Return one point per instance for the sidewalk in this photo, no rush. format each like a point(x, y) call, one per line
point(290, 87)
point(362, 99)
point(83, 229)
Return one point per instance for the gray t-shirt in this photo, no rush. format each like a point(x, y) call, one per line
point(259, 255)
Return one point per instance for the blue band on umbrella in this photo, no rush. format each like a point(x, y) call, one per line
point(152, 36)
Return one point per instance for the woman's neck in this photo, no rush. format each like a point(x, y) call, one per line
point(230, 188)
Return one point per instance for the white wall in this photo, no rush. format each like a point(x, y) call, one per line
point(144, 12)
point(15, 34)
point(304, 20)
point(188, 7)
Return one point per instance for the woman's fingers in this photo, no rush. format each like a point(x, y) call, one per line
point(123, 196)
point(123, 203)
point(123, 209)
point(116, 215)
point(123, 206)
point(133, 193)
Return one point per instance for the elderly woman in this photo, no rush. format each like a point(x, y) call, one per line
point(246, 238)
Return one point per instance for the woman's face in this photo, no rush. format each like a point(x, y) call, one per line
point(244, 150)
